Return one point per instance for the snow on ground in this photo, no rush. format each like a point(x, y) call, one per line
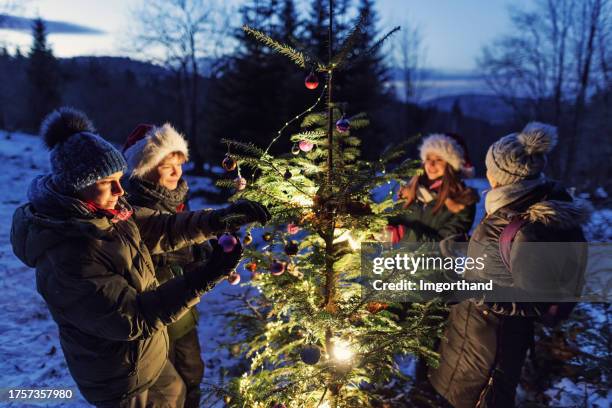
point(30, 354)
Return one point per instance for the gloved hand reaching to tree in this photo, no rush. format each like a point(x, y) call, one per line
point(203, 276)
point(237, 214)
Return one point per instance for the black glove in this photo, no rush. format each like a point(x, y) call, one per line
point(203, 276)
point(237, 214)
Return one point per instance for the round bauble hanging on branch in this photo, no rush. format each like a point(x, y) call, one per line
point(287, 174)
point(305, 146)
point(267, 236)
point(292, 229)
point(229, 163)
point(292, 248)
point(343, 125)
point(277, 267)
point(248, 238)
point(233, 278)
point(228, 242)
point(295, 150)
point(310, 354)
point(311, 81)
point(240, 183)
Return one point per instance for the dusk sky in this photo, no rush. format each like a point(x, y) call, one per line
point(453, 31)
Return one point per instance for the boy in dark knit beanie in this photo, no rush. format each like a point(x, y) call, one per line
point(93, 264)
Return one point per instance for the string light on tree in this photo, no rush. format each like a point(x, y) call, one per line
point(341, 350)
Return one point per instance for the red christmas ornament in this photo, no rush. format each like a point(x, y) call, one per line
point(311, 82)
point(277, 268)
point(251, 266)
point(233, 278)
point(292, 229)
point(228, 242)
point(229, 163)
point(240, 183)
point(305, 145)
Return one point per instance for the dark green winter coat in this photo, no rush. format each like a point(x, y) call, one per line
point(486, 343)
point(146, 195)
point(423, 225)
point(97, 278)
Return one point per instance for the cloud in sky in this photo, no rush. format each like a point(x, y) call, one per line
point(22, 24)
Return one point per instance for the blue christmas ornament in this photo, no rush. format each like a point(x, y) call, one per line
point(343, 125)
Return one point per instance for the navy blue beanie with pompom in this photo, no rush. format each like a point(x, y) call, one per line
point(78, 156)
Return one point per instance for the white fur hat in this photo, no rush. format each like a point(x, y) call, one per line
point(444, 146)
point(148, 145)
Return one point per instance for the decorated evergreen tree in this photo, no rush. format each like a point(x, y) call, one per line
point(313, 339)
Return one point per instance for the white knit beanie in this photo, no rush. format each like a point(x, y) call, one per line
point(148, 145)
point(444, 146)
point(519, 156)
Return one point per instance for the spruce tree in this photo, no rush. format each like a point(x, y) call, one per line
point(43, 75)
point(312, 339)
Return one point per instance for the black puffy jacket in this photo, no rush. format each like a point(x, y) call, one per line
point(487, 343)
point(97, 279)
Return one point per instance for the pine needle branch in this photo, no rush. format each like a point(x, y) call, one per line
point(294, 55)
point(349, 43)
point(374, 47)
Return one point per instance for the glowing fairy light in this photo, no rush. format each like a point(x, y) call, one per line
point(341, 350)
point(346, 236)
point(302, 200)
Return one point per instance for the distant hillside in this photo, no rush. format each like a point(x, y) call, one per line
point(490, 108)
point(117, 65)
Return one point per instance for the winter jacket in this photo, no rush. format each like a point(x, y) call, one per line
point(97, 278)
point(422, 224)
point(487, 343)
point(146, 195)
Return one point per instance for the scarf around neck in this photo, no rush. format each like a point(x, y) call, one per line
point(502, 196)
point(152, 195)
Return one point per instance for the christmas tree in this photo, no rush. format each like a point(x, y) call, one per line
point(313, 339)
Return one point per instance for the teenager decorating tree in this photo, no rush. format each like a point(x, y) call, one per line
point(93, 264)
